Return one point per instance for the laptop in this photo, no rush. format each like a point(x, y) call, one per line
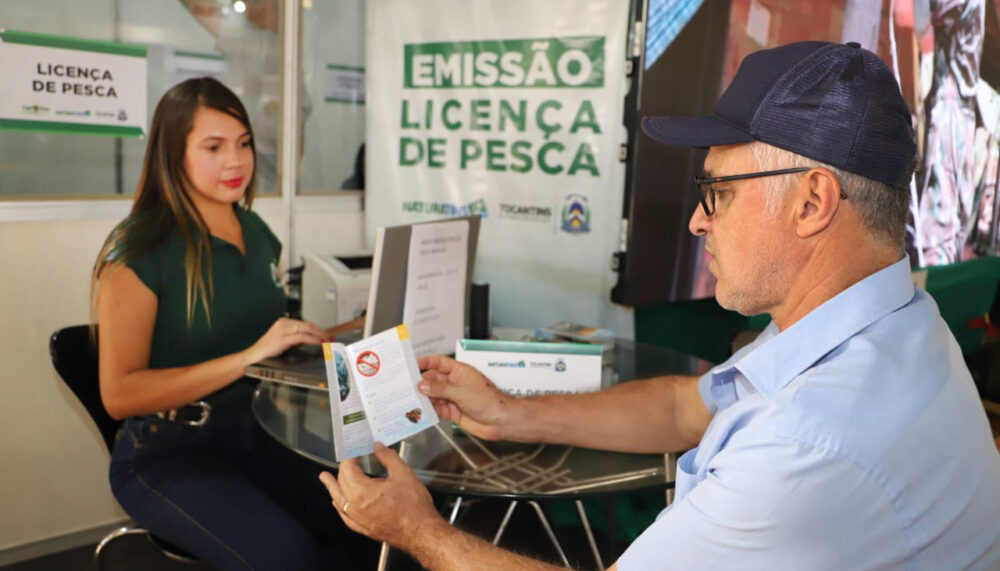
point(301, 366)
point(304, 366)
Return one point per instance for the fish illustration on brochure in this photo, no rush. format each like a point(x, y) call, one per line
point(373, 392)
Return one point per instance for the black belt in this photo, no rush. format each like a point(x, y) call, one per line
point(194, 414)
point(198, 413)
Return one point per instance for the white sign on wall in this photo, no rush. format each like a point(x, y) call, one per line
point(344, 84)
point(189, 65)
point(72, 85)
point(512, 111)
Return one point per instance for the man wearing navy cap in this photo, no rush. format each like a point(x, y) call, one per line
point(849, 435)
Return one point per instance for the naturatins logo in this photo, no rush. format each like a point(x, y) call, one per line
point(74, 113)
point(422, 207)
point(539, 62)
point(35, 109)
point(576, 214)
point(507, 364)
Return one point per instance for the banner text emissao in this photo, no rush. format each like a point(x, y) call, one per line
point(555, 134)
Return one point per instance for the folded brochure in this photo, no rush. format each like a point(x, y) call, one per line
point(373, 392)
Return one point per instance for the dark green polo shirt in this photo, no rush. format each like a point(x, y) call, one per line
point(248, 298)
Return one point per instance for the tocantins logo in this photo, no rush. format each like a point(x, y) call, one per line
point(576, 214)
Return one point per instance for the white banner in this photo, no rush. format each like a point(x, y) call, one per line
point(71, 85)
point(512, 110)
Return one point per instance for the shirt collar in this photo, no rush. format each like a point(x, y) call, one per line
point(775, 362)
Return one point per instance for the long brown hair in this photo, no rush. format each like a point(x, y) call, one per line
point(162, 205)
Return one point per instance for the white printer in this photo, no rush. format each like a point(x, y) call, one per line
point(335, 288)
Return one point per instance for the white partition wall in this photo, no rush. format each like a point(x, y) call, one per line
point(60, 195)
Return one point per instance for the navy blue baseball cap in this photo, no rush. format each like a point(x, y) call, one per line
point(836, 103)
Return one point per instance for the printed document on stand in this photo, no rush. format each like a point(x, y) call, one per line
point(434, 309)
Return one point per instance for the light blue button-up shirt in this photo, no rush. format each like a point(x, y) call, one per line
point(854, 439)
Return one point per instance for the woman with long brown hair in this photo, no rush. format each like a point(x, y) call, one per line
point(187, 294)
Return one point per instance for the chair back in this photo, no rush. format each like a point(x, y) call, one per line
point(74, 356)
point(963, 292)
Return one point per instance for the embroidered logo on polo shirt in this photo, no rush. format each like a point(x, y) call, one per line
point(275, 275)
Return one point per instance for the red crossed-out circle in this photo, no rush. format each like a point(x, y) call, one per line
point(368, 363)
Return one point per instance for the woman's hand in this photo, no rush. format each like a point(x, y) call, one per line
point(283, 334)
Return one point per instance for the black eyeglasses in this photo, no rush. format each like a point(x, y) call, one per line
point(707, 193)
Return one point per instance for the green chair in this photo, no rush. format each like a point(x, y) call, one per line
point(699, 327)
point(967, 294)
point(964, 292)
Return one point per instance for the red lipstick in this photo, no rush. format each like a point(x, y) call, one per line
point(233, 182)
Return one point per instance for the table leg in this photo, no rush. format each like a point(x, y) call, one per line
point(590, 534)
point(503, 524)
point(670, 461)
point(548, 530)
point(383, 556)
point(296, 417)
point(612, 524)
point(454, 511)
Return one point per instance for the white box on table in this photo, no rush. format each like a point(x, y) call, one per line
point(524, 368)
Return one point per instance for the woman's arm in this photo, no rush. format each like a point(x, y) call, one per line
point(126, 313)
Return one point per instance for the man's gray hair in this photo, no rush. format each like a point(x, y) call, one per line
point(884, 210)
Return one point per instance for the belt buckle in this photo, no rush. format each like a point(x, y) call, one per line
point(206, 412)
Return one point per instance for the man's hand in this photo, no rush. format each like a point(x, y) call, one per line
point(396, 509)
point(464, 396)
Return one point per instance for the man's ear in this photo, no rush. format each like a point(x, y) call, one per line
point(817, 200)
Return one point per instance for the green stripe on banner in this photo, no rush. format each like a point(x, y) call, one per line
point(71, 128)
point(345, 67)
point(199, 55)
point(335, 100)
point(530, 347)
point(79, 44)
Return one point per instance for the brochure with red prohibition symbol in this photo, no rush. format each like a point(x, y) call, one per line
point(373, 392)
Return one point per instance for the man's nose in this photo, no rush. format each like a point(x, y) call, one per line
point(700, 222)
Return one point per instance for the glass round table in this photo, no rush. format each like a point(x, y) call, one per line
point(449, 461)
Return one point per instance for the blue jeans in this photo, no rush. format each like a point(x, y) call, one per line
point(232, 496)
